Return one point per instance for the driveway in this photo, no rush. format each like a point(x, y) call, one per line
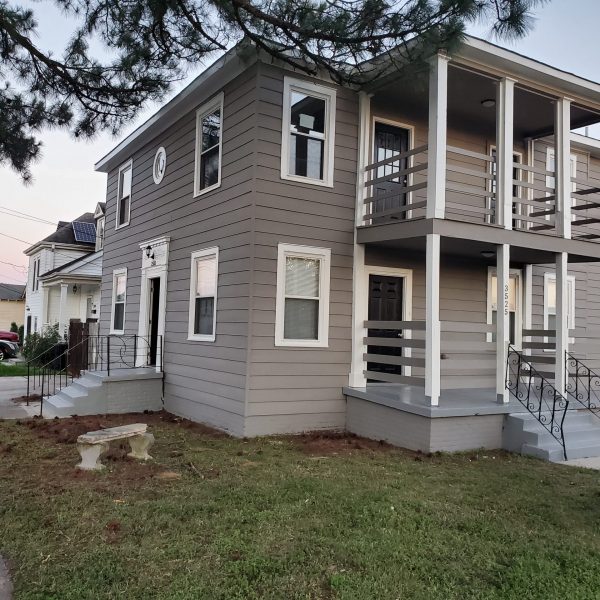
point(12, 387)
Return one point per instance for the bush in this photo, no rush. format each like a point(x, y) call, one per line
point(38, 347)
point(21, 334)
point(14, 327)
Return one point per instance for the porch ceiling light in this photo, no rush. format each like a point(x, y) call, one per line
point(488, 103)
point(488, 253)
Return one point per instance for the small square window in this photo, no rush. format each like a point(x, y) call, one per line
point(308, 132)
point(203, 295)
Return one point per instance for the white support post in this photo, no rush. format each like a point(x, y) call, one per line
point(502, 319)
point(360, 292)
point(504, 152)
point(62, 309)
point(562, 163)
point(437, 137)
point(432, 320)
point(562, 321)
point(527, 299)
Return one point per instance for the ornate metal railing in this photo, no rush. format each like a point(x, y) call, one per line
point(107, 353)
point(537, 395)
point(583, 384)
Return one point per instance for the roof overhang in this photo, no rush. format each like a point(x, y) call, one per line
point(68, 278)
point(209, 82)
point(54, 246)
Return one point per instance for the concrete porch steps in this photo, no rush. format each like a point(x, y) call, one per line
point(134, 390)
point(524, 434)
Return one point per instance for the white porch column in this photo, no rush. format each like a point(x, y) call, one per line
point(45, 292)
point(504, 152)
point(437, 137)
point(360, 291)
point(502, 319)
point(62, 309)
point(527, 300)
point(562, 321)
point(432, 320)
point(562, 163)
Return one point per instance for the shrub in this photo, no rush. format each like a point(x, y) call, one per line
point(38, 346)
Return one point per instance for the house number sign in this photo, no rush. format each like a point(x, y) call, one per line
point(160, 165)
point(506, 300)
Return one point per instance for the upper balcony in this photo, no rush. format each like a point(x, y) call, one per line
point(482, 157)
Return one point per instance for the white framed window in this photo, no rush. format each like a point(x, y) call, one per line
point(307, 132)
point(517, 190)
point(209, 146)
point(35, 281)
point(204, 277)
point(515, 305)
point(119, 299)
point(550, 302)
point(551, 179)
point(302, 302)
point(124, 194)
point(100, 233)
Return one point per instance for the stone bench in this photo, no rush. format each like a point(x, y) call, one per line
point(93, 444)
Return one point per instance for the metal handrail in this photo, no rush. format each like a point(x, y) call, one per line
point(537, 395)
point(583, 384)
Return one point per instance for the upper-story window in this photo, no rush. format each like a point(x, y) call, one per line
point(100, 233)
point(209, 143)
point(35, 281)
point(308, 132)
point(124, 194)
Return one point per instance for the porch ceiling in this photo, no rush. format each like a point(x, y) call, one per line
point(470, 240)
point(533, 112)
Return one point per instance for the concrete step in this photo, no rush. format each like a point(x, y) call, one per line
point(581, 428)
point(59, 405)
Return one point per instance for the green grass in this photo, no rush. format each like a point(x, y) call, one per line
point(10, 370)
point(269, 519)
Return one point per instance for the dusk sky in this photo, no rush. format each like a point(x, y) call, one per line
point(65, 184)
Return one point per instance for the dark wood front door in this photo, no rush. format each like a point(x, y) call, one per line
point(386, 303)
point(390, 140)
point(153, 323)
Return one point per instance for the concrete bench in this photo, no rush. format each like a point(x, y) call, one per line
point(93, 444)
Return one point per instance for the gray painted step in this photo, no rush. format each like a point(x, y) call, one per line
point(523, 433)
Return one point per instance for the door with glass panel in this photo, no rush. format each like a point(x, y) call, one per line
point(390, 140)
point(386, 303)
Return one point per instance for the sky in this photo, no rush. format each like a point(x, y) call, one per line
point(65, 184)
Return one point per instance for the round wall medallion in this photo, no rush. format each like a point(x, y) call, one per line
point(160, 165)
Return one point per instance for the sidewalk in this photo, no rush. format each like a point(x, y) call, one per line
point(13, 387)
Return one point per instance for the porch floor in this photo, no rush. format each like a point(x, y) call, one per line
point(459, 402)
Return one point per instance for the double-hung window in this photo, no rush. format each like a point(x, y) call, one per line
point(124, 194)
point(119, 297)
point(100, 234)
point(550, 302)
point(203, 295)
point(308, 132)
point(209, 142)
point(35, 284)
point(302, 306)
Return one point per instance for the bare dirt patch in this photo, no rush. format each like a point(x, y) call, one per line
point(337, 442)
point(25, 399)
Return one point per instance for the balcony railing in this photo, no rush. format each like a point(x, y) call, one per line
point(585, 209)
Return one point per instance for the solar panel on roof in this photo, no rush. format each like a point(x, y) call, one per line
point(84, 232)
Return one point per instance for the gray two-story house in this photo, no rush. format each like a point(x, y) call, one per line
point(413, 260)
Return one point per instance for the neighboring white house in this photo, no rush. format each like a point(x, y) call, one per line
point(65, 270)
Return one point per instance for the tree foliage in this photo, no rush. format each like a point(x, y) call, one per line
point(123, 53)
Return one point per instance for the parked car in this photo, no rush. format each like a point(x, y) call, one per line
point(8, 349)
point(11, 336)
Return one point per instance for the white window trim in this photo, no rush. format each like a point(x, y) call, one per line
point(573, 162)
point(100, 238)
point(518, 275)
point(319, 91)
point(124, 167)
point(322, 254)
point(206, 109)
point(205, 253)
point(116, 273)
point(548, 276)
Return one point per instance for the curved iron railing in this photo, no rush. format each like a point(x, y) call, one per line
point(537, 395)
point(583, 384)
point(94, 353)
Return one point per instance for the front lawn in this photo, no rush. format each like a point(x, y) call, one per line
point(289, 518)
point(10, 370)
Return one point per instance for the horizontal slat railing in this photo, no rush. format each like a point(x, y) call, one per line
point(585, 209)
point(396, 187)
point(468, 357)
point(470, 186)
point(389, 347)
